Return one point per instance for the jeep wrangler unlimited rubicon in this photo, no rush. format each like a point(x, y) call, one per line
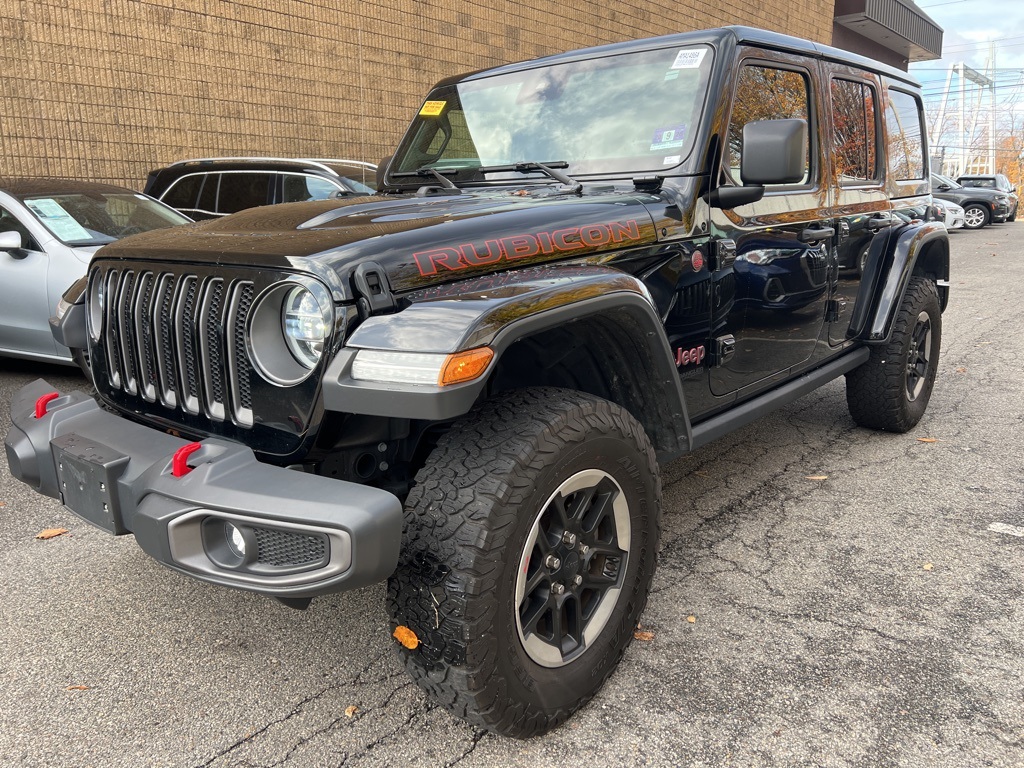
point(575, 268)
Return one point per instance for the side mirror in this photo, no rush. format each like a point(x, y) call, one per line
point(10, 241)
point(944, 187)
point(774, 152)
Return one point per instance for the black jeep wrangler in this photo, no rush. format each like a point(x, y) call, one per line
point(575, 268)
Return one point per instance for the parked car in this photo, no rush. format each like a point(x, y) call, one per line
point(981, 206)
point(950, 214)
point(465, 384)
point(49, 229)
point(218, 186)
point(997, 181)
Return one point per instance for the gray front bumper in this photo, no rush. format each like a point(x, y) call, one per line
point(126, 485)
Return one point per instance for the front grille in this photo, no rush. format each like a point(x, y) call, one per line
point(164, 341)
point(276, 547)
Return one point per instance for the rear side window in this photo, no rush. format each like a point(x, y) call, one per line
point(183, 192)
point(239, 191)
point(854, 138)
point(789, 98)
point(905, 141)
point(296, 188)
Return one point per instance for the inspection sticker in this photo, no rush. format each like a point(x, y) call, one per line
point(669, 138)
point(671, 160)
point(432, 108)
point(689, 58)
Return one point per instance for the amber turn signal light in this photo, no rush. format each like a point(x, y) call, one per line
point(465, 366)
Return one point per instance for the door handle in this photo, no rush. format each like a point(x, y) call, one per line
point(813, 234)
point(876, 223)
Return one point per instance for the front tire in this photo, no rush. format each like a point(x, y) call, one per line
point(976, 216)
point(891, 390)
point(528, 552)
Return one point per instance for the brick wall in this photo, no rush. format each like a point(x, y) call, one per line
point(108, 89)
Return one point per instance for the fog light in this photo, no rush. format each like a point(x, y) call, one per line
point(236, 540)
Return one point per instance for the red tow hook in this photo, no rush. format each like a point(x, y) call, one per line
point(179, 464)
point(43, 401)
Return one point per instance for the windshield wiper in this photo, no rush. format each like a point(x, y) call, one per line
point(571, 185)
point(445, 181)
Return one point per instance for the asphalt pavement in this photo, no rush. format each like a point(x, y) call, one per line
point(826, 596)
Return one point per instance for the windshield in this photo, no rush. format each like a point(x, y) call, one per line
point(630, 113)
point(97, 218)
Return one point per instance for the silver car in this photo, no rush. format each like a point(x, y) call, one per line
point(49, 229)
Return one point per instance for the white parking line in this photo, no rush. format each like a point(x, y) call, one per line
point(1011, 530)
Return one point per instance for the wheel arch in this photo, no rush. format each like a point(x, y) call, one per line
point(538, 322)
point(920, 250)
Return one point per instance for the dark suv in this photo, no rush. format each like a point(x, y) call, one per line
point(466, 384)
point(996, 181)
point(981, 206)
point(218, 186)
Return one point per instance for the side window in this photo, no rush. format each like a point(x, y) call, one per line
point(766, 93)
point(853, 131)
point(239, 191)
point(183, 192)
point(296, 188)
point(10, 223)
point(208, 195)
point(905, 140)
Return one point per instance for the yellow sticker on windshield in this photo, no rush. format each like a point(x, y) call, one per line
point(432, 108)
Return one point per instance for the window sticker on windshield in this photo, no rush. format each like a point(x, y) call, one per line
point(57, 220)
point(669, 138)
point(672, 74)
point(671, 160)
point(432, 108)
point(689, 58)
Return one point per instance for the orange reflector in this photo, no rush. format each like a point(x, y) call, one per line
point(465, 366)
point(406, 637)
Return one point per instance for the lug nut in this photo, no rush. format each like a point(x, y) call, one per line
point(552, 562)
point(584, 550)
point(558, 589)
point(577, 580)
point(569, 539)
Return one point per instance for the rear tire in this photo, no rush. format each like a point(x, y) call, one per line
point(528, 552)
point(891, 390)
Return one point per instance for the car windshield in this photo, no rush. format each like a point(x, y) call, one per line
point(946, 180)
point(97, 218)
point(635, 112)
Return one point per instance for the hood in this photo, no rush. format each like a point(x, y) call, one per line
point(416, 241)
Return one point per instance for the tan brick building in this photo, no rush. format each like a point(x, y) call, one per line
point(108, 89)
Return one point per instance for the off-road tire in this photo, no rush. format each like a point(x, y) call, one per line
point(984, 219)
point(468, 524)
point(891, 390)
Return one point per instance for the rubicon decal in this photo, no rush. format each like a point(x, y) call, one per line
point(524, 246)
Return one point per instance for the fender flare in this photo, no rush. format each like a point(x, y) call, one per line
point(496, 311)
point(892, 261)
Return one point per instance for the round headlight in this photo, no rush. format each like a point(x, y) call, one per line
point(305, 326)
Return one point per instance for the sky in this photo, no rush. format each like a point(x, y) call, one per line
point(969, 26)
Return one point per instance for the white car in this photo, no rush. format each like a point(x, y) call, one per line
point(49, 229)
point(950, 213)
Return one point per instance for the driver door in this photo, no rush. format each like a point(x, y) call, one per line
point(24, 300)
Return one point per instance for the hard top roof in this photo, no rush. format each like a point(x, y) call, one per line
point(737, 34)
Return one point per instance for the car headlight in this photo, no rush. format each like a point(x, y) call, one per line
point(305, 325)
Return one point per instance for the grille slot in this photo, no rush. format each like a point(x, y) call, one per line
point(179, 340)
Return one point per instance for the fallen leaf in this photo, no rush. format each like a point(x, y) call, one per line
point(961, 370)
point(351, 710)
point(927, 566)
point(928, 440)
point(51, 533)
point(692, 619)
point(816, 477)
point(77, 688)
point(643, 634)
point(701, 473)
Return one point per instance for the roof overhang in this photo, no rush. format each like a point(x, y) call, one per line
point(898, 25)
